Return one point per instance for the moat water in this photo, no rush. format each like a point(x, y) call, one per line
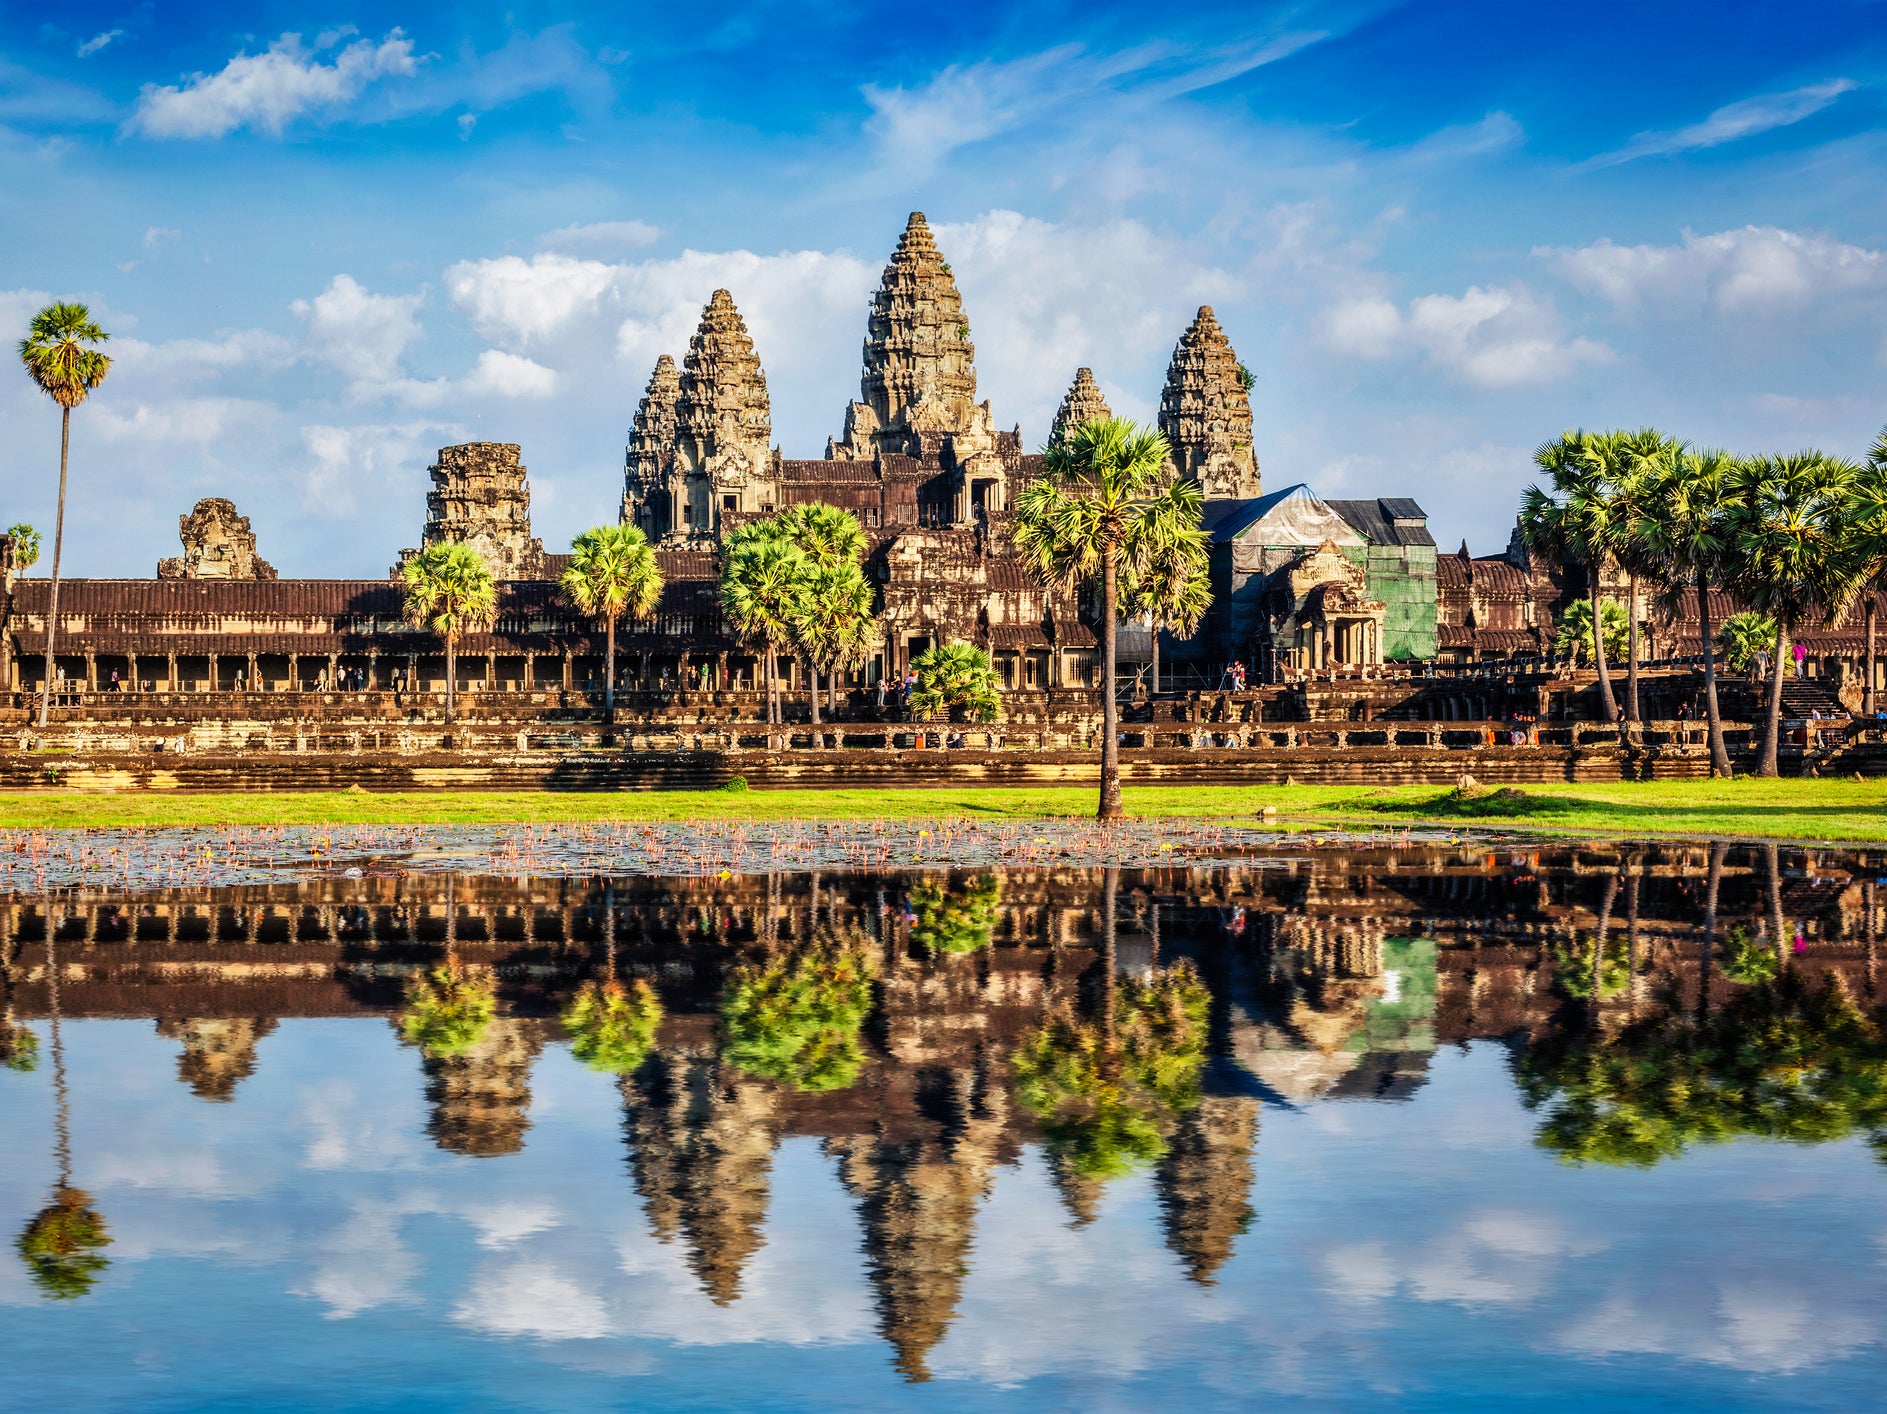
point(947, 1118)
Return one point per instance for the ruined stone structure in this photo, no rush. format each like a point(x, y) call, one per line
point(1205, 412)
point(217, 544)
point(481, 498)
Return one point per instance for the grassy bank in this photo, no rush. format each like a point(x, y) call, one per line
point(1791, 809)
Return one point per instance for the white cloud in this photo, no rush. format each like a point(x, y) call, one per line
point(98, 42)
point(513, 300)
point(497, 374)
point(602, 236)
point(155, 236)
point(186, 361)
point(1761, 1326)
point(1490, 336)
point(359, 333)
point(267, 91)
point(1745, 118)
point(200, 422)
point(17, 308)
point(1753, 269)
point(346, 462)
point(533, 1298)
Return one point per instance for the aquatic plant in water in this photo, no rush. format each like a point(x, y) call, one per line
point(1789, 1059)
point(612, 1025)
point(61, 1246)
point(1105, 1088)
point(961, 922)
point(448, 1008)
point(797, 1019)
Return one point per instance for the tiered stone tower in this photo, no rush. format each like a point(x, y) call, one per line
point(920, 366)
point(219, 1053)
point(217, 544)
point(1206, 412)
point(647, 496)
point(1084, 403)
point(1204, 1183)
point(481, 498)
point(723, 425)
point(481, 1097)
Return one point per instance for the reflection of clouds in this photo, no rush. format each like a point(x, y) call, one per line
point(342, 1132)
point(362, 1265)
point(1755, 1327)
point(1503, 1257)
point(527, 1297)
point(502, 1224)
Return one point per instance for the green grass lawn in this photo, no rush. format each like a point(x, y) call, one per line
point(1849, 811)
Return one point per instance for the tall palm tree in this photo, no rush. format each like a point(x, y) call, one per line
point(763, 580)
point(612, 572)
point(449, 589)
point(1173, 591)
point(955, 677)
point(1632, 460)
point(1681, 521)
point(835, 611)
point(1870, 521)
point(1108, 500)
point(1794, 553)
point(1572, 524)
point(63, 363)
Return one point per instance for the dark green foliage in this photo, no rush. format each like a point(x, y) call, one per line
point(958, 922)
point(1792, 1060)
point(19, 1048)
point(735, 784)
point(797, 1019)
point(61, 1246)
point(612, 1026)
point(448, 1009)
point(1104, 1094)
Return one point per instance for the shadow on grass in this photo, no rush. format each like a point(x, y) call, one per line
point(1505, 803)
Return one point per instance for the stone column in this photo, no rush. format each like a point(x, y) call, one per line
point(173, 671)
point(294, 672)
point(568, 671)
point(212, 672)
point(530, 672)
point(412, 672)
point(334, 662)
point(373, 670)
point(252, 673)
point(91, 671)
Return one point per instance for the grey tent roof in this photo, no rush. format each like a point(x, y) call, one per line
point(1375, 520)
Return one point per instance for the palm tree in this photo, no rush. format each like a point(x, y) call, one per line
point(833, 627)
point(25, 546)
point(1870, 521)
point(1573, 633)
point(763, 580)
point(955, 677)
point(1173, 591)
point(612, 572)
point(1632, 462)
point(1572, 524)
point(1681, 521)
point(1744, 637)
point(1794, 553)
point(60, 359)
point(449, 589)
point(1108, 501)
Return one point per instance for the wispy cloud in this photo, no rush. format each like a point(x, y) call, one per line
point(268, 91)
point(1745, 118)
point(1760, 269)
point(98, 42)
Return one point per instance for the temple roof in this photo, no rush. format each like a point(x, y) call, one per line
point(1385, 520)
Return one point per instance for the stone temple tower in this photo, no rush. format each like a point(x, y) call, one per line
point(1083, 403)
point(723, 425)
point(1205, 412)
point(648, 499)
point(920, 369)
point(481, 498)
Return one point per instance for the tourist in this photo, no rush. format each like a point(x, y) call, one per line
point(1801, 653)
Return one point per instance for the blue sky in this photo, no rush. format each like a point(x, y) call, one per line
point(328, 241)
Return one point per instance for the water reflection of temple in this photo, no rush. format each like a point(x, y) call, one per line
point(1331, 977)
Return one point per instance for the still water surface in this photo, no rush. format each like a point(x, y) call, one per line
point(1421, 1127)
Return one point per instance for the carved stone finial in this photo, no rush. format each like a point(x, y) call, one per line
point(1205, 412)
point(1084, 403)
point(217, 544)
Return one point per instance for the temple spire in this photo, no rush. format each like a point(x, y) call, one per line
point(1083, 403)
point(1205, 412)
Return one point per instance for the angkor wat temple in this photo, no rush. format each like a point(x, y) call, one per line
point(1303, 586)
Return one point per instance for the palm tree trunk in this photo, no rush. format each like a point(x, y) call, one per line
point(1609, 702)
point(1599, 940)
point(1110, 897)
point(1719, 752)
point(1772, 867)
point(452, 672)
point(1110, 713)
point(1772, 728)
point(1867, 663)
point(58, 547)
point(1632, 881)
point(812, 678)
point(1711, 889)
point(609, 672)
point(1156, 658)
point(1631, 651)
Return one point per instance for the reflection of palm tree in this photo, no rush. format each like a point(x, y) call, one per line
point(960, 922)
point(62, 1245)
point(1106, 1087)
point(19, 1046)
point(797, 1019)
point(447, 1007)
point(1589, 971)
point(612, 1026)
